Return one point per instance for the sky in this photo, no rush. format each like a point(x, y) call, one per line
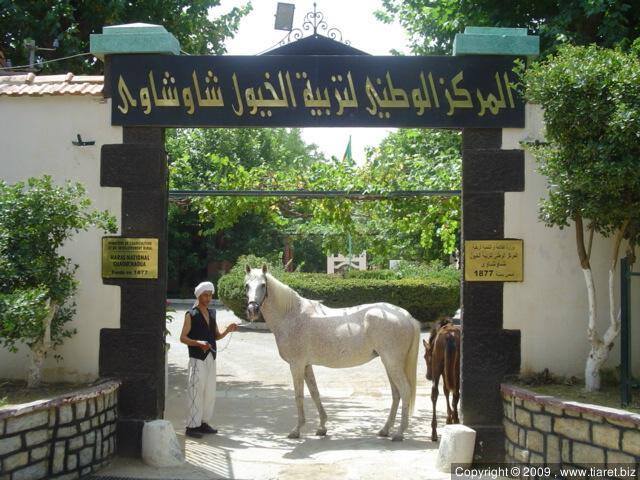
point(355, 19)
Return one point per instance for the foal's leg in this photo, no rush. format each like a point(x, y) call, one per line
point(456, 397)
point(297, 372)
point(395, 395)
point(434, 400)
point(446, 396)
point(313, 390)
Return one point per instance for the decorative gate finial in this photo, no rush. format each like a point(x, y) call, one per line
point(314, 21)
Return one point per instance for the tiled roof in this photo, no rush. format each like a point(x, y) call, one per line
point(69, 84)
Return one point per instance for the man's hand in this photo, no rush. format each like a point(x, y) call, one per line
point(204, 345)
point(232, 327)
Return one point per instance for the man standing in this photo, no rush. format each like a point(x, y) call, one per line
point(200, 333)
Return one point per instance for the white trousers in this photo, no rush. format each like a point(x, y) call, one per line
point(201, 391)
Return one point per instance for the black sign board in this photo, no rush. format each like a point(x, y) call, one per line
point(314, 91)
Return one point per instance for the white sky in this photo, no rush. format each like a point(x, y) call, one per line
point(355, 19)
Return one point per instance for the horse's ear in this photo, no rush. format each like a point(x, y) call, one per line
point(264, 268)
point(248, 269)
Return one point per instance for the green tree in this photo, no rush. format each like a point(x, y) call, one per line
point(432, 25)
point(70, 22)
point(37, 283)
point(591, 102)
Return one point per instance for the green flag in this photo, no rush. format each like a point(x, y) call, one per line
point(347, 153)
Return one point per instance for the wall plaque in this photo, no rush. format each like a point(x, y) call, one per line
point(493, 261)
point(129, 257)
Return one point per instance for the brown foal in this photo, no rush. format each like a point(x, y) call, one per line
point(442, 355)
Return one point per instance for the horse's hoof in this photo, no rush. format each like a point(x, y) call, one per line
point(398, 437)
point(434, 438)
point(294, 434)
point(321, 432)
point(383, 433)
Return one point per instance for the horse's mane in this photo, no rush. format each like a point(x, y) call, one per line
point(285, 298)
point(437, 326)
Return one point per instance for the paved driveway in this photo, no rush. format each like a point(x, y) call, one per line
point(255, 410)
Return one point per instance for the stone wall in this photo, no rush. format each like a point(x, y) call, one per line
point(63, 438)
point(541, 429)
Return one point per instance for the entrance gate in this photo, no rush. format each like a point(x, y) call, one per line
point(315, 81)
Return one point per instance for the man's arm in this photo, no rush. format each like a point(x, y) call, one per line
point(232, 327)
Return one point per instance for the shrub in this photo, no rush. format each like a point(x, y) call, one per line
point(425, 298)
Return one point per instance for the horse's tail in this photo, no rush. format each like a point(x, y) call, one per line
point(452, 361)
point(411, 364)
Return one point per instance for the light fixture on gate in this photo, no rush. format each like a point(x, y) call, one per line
point(284, 16)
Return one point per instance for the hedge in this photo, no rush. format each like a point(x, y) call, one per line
point(426, 299)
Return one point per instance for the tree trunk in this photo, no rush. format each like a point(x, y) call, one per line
point(40, 348)
point(600, 347)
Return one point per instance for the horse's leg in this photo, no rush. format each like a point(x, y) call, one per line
point(297, 373)
point(395, 394)
point(434, 400)
point(313, 390)
point(456, 397)
point(445, 390)
point(399, 379)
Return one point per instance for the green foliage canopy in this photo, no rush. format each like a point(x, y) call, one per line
point(36, 219)
point(432, 25)
point(591, 102)
point(71, 22)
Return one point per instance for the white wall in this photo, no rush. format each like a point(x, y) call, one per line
point(36, 137)
point(550, 306)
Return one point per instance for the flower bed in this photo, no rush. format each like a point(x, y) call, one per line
point(540, 429)
point(68, 436)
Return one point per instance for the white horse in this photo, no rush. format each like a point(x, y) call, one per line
point(309, 333)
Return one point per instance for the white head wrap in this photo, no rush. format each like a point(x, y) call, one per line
point(204, 287)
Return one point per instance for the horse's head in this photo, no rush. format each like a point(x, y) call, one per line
point(255, 287)
point(428, 349)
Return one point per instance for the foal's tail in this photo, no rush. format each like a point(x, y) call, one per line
point(411, 363)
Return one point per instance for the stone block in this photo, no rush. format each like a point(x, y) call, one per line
point(72, 461)
point(535, 441)
point(90, 438)
point(566, 450)
point(522, 437)
point(606, 436)
point(14, 461)
point(585, 454)
point(76, 443)
point(58, 458)
point(523, 417)
point(542, 422)
point(614, 457)
point(37, 436)
point(553, 449)
point(28, 421)
point(631, 442)
point(111, 415)
point(536, 458)
point(10, 444)
point(85, 471)
point(35, 471)
point(572, 428)
point(81, 409)
point(85, 426)
point(66, 414)
point(91, 407)
point(571, 413)
point(521, 455)
point(456, 446)
point(532, 406)
point(100, 403)
point(66, 432)
point(39, 453)
point(85, 456)
point(620, 422)
point(592, 417)
point(511, 431)
point(554, 410)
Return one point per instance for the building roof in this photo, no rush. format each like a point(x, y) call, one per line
point(68, 84)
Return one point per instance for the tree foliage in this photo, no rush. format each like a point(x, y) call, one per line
point(36, 219)
point(71, 22)
point(432, 25)
point(417, 229)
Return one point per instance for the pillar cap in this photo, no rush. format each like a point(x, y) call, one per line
point(133, 38)
point(496, 41)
